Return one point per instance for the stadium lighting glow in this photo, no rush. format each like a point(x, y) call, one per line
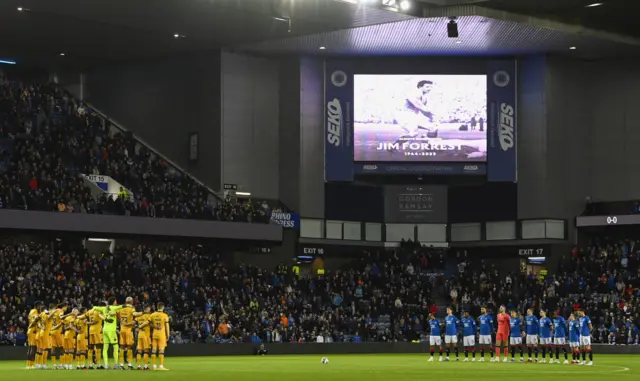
point(7, 62)
point(20, 9)
point(322, 48)
point(99, 240)
point(593, 5)
point(62, 54)
point(572, 48)
point(243, 194)
point(459, 42)
point(405, 5)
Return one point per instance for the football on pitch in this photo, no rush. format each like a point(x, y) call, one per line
point(325, 360)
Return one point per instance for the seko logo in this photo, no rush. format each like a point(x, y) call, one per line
point(507, 127)
point(470, 167)
point(334, 122)
point(369, 167)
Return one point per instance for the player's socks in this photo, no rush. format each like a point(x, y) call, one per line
point(482, 352)
point(448, 352)
point(544, 352)
point(130, 357)
point(98, 353)
point(121, 357)
point(139, 358)
point(590, 354)
point(513, 352)
point(473, 352)
point(557, 353)
point(161, 355)
point(584, 355)
point(45, 356)
point(145, 359)
point(455, 350)
point(466, 353)
point(506, 351)
point(153, 359)
point(497, 356)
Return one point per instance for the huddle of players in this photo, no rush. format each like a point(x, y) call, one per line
point(79, 334)
point(544, 333)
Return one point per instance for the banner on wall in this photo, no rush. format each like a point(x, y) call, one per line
point(415, 204)
point(338, 114)
point(286, 220)
point(502, 118)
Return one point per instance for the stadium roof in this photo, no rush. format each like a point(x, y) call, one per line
point(87, 33)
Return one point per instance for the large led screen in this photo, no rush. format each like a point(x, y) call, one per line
point(435, 118)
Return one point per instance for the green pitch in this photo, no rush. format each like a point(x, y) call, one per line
point(344, 367)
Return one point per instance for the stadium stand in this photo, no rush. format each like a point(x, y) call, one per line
point(48, 140)
point(380, 297)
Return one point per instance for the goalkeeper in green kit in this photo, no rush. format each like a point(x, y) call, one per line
point(110, 330)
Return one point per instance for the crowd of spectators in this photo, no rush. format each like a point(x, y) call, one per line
point(380, 297)
point(48, 140)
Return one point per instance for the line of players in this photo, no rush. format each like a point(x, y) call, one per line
point(541, 335)
point(79, 335)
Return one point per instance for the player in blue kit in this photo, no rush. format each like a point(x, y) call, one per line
point(515, 338)
point(574, 339)
point(560, 336)
point(546, 330)
point(469, 336)
point(585, 336)
point(452, 326)
point(485, 323)
point(435, 336)
point(531, 330)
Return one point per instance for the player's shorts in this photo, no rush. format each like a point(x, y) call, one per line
point(57, 340)
point(95, 338)
point(110, 337)
point(585, 341)
point(515, 340)
point(485, 339)
point(159, 343)
point(451, 339)
point(469, 341)
point(435, 340)
point(32, 339)
point(532, 340)
point(82, 344)
point(574, 344)
point(126, 338)
point(560, 341)
point(545, 341)
point(45, 341)
point(144, 344)
point(502, 336)
point(69, 343)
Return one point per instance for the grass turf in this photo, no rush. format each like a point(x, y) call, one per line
point(341, 367)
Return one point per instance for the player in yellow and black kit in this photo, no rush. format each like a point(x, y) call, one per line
point(94, 321)
point(45, 323)
point(57, 337)
point(32, 335)
point(126, 317)
point(143, 347)
point(81, 329)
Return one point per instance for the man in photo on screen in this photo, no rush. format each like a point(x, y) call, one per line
point(415, 117)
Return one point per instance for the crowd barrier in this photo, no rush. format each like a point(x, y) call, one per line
point(326, 349)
